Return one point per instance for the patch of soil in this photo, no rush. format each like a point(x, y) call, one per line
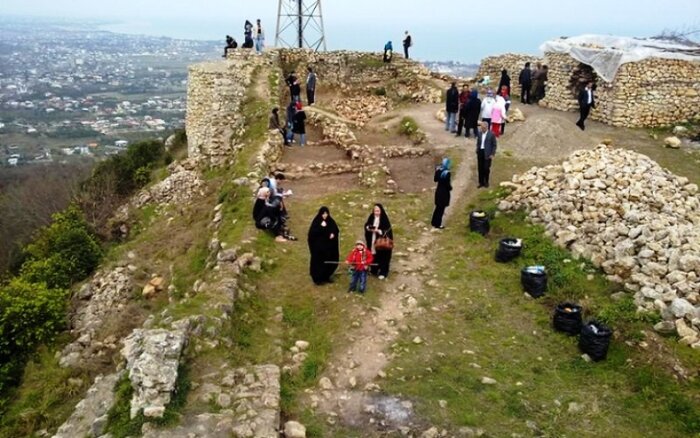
point(412, 175)
point(375, 136)
point(299, 156)
point(318, 186)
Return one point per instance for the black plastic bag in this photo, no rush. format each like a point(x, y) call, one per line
point(534, 280)
point(479, 222)
point(567, 318)
point(508, 249)
point(595, 340)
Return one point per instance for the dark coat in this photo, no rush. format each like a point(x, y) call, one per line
point(473, 108)
point(322, 247)
point(525, 77)
point(452, 102)
point(505, 80)
point(583, 98)
point(444, 187)
point(299, 122)
point(489, 146)
point(384, 227)
point(295, 89)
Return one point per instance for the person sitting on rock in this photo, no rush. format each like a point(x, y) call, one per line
point(275, 125)
point(230, 45)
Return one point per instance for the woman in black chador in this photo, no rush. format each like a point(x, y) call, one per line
point(323, 244)
point(378, 225)
point(442, 192)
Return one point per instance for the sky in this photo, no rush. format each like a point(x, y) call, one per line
point(459, 30)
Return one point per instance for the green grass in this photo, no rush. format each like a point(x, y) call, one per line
point(539, 372)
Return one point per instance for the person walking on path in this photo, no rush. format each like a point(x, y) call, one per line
point(586, 101)
point(525, 81)
point(463, 100)
point(274, 124)
point(378, 225)
point(323, 246)
point(259, 37)
point(505, 80)
point(485, 151)
point(300, 123)
point(487, 107)
point(451, 107)
point(388, 52)
point(359, 259)
point(407, 42)
point(442, 192)
point(473, 111)
point(310, 86)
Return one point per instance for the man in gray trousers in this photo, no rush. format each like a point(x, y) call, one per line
point(485, 151)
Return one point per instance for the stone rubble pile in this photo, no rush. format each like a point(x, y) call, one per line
point(361, 109)
point(637, 221)
point(183, 185)
point(152, 360)
point(90, 416)
point(101, 300)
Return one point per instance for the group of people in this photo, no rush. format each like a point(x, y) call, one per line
point(254, 36)
point(389, 48)
point(532, 83)
point(295, 122)
point(464, 110)
point(269, 210)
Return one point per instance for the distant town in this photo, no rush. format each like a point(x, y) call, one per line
point(69, 90)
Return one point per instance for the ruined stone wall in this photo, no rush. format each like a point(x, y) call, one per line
point(652, 92)
point(215, 94)
point(512, 62)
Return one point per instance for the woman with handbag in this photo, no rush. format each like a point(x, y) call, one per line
point(380, 240)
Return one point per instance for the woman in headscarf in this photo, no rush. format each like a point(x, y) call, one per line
point(378, 225)
point(442, 192)
point(261, 196)
point(323, 245)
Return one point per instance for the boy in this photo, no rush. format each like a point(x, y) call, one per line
point(360, 259)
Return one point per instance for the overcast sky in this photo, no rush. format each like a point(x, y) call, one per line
point(442, 29)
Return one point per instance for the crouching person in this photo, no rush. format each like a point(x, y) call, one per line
point(360, 259)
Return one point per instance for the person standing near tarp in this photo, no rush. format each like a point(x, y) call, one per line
point(310, 86)
point(259, 37)
point(485, 151)
point(407, 42)
point(323, 246)
point(378, 226)
point(586, 101)
point(451, 108)
point(525, 81)
point(442, 192)
point(388, 52)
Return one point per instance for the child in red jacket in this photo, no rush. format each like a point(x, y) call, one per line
point(360, 259)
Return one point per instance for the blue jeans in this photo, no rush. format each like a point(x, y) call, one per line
point(450, 122)
point(259, 42)
point(358, 277)
point(302, 139)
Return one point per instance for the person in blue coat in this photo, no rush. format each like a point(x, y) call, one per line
point(388, 51)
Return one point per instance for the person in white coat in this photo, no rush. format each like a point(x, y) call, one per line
point(487, 107)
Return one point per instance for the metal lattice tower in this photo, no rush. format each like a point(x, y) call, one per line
point(300, 24)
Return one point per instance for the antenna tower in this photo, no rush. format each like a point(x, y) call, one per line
point(300, 24)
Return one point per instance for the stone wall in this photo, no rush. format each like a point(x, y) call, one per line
point(652, 92)
point(215, 94)
point(513, 62)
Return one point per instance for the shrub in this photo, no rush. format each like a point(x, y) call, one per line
point(30, 314)
point(409, 128)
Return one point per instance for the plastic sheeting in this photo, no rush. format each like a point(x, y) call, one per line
point(607, 53)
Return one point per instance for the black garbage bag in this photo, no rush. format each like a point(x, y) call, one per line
point(508, 249)
point(534, 280)
point(567, 318)
point(595, 340)
point(479, 222)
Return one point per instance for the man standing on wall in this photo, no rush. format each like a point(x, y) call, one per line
point(310, 87)
point(407, 42)
point(586, 101)
point(485, 151)
point(525, 81)
point(259, 37)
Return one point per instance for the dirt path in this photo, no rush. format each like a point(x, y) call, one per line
point(348, 387)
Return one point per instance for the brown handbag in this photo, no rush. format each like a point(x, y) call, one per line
point(384, 243)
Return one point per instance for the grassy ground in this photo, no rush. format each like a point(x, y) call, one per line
point(481, 324)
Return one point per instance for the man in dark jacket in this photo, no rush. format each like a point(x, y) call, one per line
point(472, 114)
point(586, 101)
point(485, 151)
point(452, 107)
point(407, 42)
point(525, 81)
point(310, 87)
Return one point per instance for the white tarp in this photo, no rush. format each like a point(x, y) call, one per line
point(607, 53)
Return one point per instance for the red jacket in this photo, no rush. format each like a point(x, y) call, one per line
point(360, 260)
